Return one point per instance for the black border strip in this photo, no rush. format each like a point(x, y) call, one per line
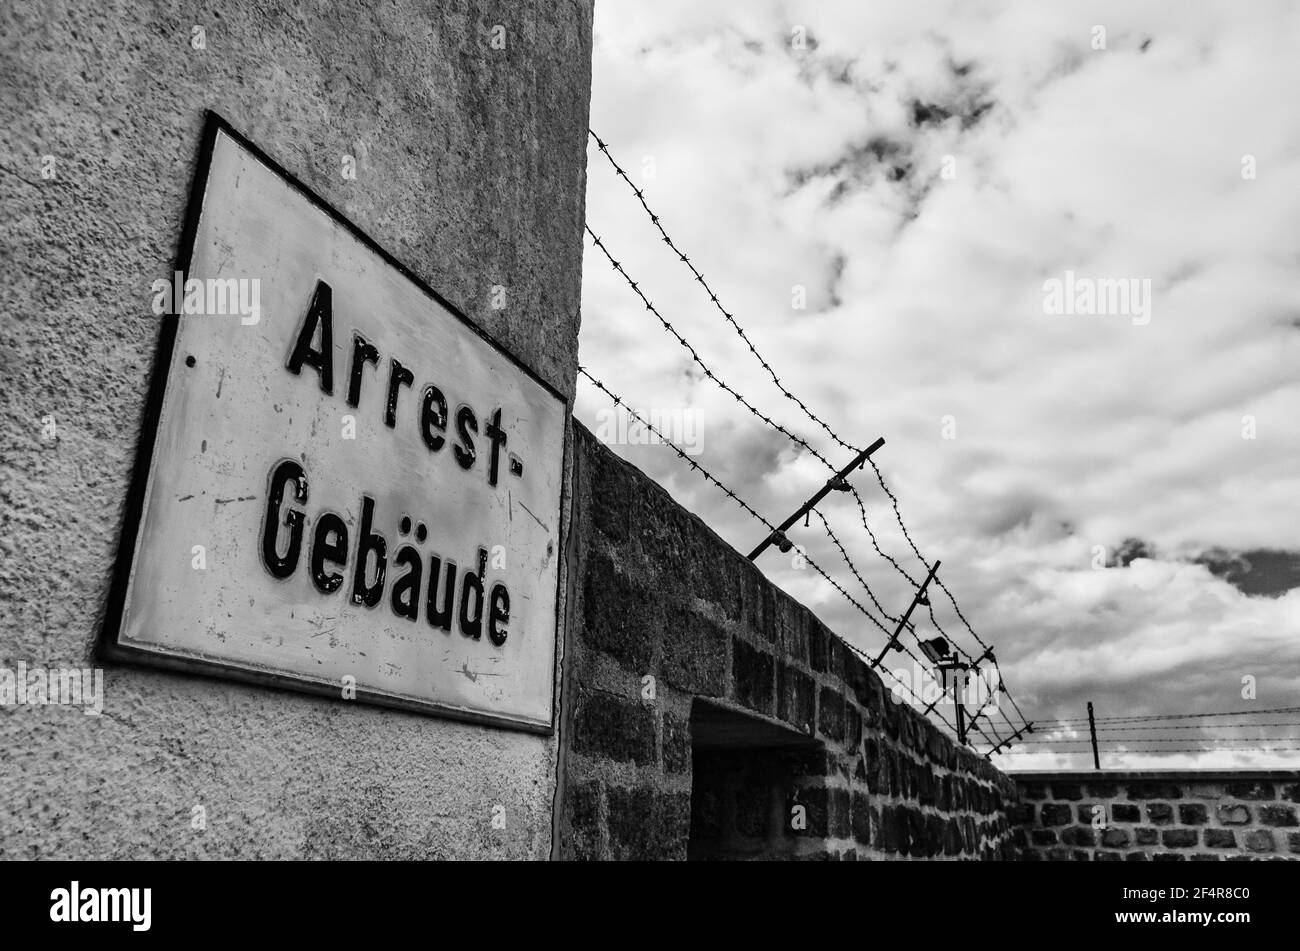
point(107, 647)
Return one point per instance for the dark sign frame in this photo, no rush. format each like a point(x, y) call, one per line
point(108, 647)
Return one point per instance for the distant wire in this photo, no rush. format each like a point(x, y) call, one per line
point(1191, 749)
point(1179, 716)
point(1180, 739)
point(1203, 726)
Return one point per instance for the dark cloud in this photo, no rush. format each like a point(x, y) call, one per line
point(1261, 573)
point(968, 107)
point(928, 113)
point(1129, 550)
point(1007, 513)
point(859, 163)
point(837, 265)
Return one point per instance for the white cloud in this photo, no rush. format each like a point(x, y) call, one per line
point(772, 168)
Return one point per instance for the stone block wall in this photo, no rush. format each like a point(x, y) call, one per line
point(1204, 816)
point(675, 638)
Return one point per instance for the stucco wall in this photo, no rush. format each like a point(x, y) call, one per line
point(1201, 816)
point(470, 170)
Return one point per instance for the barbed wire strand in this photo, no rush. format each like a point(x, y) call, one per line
point(618, 401)
point(1178, 739)
point(1202, 726)
point(604, 148)
point(853, 568)
point(713, 297)
point(709, 373)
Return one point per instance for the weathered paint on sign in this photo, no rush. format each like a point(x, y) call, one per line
point(350, 486)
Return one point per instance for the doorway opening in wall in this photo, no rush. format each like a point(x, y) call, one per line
point(746, 779)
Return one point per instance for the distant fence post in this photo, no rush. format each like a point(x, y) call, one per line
point(1092, 731)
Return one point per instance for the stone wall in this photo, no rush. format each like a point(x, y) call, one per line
point(702, 705)
point(1203, 816)
point(470, 169)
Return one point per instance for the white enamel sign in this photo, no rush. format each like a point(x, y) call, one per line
point(349, 487)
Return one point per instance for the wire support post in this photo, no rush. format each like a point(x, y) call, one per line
point(838, 481)
point(918, 598)
point(1092, 731)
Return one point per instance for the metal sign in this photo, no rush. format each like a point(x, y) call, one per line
point(344, 484)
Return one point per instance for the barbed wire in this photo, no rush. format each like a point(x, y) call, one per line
point(853, 568)
point(618, 401)
point(893, 501)
point(866, 658)
point(618, 267)
point(654, 219)
point(992, 728)
point(1007, 693)
point(729, 317)
point(944, 634)
point(911, 628)
point(975, 725)
point(862, 511)
point(708, 372)
point(862, 581)
point(980, 712)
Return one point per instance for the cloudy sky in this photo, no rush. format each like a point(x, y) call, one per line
point(919, 174)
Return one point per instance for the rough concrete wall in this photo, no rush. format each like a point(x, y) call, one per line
point(1205, 816)
point(657, 594)
point(470, 171)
